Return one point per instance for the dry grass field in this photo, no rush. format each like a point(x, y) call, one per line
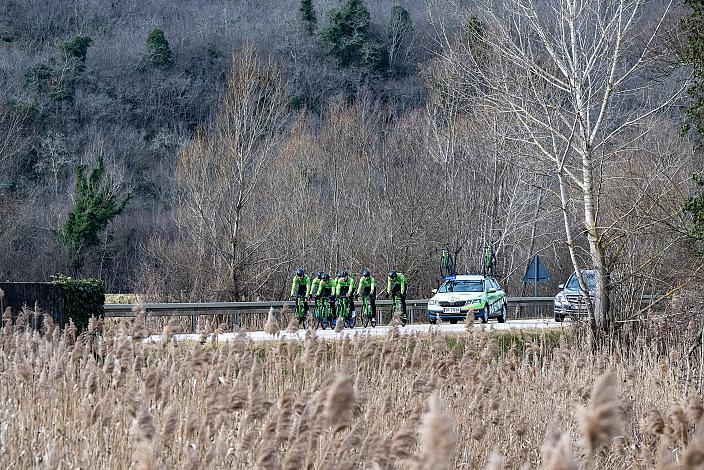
point(478, 400)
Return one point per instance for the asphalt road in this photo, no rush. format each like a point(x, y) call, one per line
point(383, 330)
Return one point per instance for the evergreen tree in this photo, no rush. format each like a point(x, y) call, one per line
point(400, 28)
point(374, 57)
point(695, 207)
point(693, 54)
point(308, 17)
point(96, 204)
point(346, 32)
point(159, 49)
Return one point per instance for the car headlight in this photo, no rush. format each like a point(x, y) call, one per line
point(560, 299)
point(432, 302)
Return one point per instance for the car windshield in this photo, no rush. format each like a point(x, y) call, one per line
point(589, 278)
point(461, 286)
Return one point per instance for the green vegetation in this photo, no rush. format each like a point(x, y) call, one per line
point(96, 204)
point(75, 49)
point(158, 49)
point(400, 29)
point(693, 54)
point(695, 207)
point(83, 299)
point(308, 16)
point(693, 25)
point(374, 57)
point(346, 33)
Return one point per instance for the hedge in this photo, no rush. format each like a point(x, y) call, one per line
point(83, 298)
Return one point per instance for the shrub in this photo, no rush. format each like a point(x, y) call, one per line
point(695, 207)
point(83, 298)
point(159, 49)
point(24, 111)
point(37, 77)
point(75, 49)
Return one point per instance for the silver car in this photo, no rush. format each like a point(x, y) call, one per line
point(570, 301)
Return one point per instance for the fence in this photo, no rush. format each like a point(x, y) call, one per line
point(253, 315)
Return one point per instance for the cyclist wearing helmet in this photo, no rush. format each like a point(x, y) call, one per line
point(396, 285)
point(367, 288)
point(489, 259)
point(300, 287)
point(345, 287)
point(315, 282)
point(326, 288)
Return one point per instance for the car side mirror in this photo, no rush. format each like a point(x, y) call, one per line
point(492, 290)
point(434, 291)
point(560, 286)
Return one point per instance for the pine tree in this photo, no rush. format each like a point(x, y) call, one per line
point(347, 32)
point(400, 28)
point(96, 204)
point(159, 49)
point(308, 16)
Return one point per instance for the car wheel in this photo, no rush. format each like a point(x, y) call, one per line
point(559, 318)
point(502, 316)
point(485, 315)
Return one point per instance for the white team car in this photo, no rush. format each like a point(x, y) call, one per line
point(459, 296)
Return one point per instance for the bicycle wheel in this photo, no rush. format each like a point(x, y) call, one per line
point(349, 320)
point(342, 310)
point(323, 314)
point(367, 318)
point(300, 313)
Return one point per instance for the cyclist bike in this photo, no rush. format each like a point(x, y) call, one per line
point(344, 292)
point(325, 299)
point(366, 289)
point(396, 290)
point(447, 263)
point(395, 299)
point(323, 314)
point(300, 290)
point(314, 283)
point(489, 258)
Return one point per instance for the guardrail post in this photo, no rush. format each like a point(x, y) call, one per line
point(193, 323)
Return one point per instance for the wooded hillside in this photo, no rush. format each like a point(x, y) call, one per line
point(237, 140)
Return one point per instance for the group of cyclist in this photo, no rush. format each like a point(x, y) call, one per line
point(340, 290)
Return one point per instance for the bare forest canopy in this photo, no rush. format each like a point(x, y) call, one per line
point(223, 143)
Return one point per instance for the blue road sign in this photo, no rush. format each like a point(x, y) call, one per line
point(536, 272)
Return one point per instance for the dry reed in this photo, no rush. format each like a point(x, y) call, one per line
point(108, 399)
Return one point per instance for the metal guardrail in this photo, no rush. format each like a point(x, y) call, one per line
point(236, 310)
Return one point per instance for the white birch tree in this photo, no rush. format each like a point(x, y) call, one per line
point(571, 74)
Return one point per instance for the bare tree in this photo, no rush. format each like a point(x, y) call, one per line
point(570, 72)
point(220, 171)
